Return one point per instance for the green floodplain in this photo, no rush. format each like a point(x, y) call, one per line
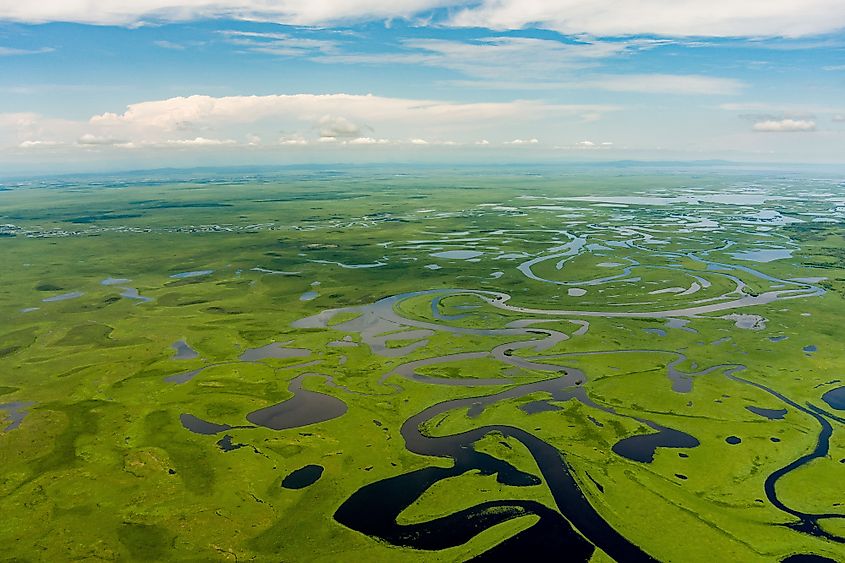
point(592, 364)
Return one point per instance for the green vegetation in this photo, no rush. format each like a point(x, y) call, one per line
point(100, 464)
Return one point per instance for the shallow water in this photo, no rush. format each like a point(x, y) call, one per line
point(457, 254)
point(192, 274)
point(63, 297)
point(132, 293)
point(763, 256)
point(275, 350)
point(183, 351)
point(15, 412)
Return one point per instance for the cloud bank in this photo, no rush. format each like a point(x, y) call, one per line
point(600, 18)
point(785, 126)
point(302, 119)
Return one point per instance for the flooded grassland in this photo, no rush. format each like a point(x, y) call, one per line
point(611, 365)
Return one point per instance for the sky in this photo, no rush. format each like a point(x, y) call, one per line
point(107, 85)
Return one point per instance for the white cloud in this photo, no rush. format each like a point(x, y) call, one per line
point(526, 58)
point(200, 142)
point(838, 118)
point(539, 64)
point(784, 126)
point(12, 52)
point(94, 140)
point(319, 121)
point(335, 126)
point(296, 12)
point(38, 144)
point(279, 44)
point(368, 141)
point(164, 44)
point(664, 83)
point(294, 141)
point(716, 18)
point(331, 116)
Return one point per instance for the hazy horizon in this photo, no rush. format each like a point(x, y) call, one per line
point(161, 83)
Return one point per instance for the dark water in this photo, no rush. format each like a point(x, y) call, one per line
point(810, 349)
point(304, 408)
point(643, 446)
point(835, 398)
point(303, 477)
point(733, 440)
point(183, 377)
point(200, 426)
point(806, 522)
point(771, 414)
point(374, 508)
point(807, 558)
point(225, 444)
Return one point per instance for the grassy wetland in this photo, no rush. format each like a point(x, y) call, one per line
point(595, 365)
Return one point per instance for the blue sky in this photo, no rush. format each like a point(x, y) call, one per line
point(169, 83)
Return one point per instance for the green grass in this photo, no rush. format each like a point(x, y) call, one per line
point(102, 468)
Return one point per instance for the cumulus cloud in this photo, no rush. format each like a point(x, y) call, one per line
point(368, 141)
point(522, 142)
point(34, 144)
point(784, 126)
point(717, 18)
point(335, 126)
point(200, 142)
point(94, 140)
point(339, 119)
